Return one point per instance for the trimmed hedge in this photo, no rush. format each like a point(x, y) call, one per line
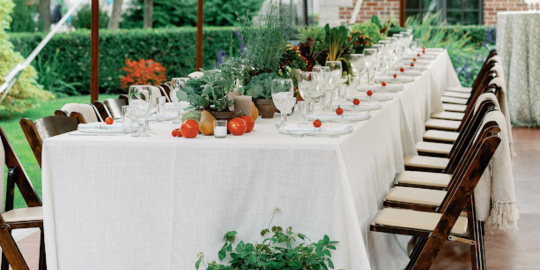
point(174, 48)
point(478, 33)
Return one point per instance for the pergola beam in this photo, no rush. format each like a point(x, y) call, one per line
point(94, 63)
point(199, 34)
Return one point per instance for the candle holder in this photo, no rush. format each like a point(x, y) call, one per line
point(220, 129)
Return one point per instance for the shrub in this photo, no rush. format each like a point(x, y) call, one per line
point(143, 72)
point(22, 18)
point(174, 48)
point(26, 92)
point(83, 18)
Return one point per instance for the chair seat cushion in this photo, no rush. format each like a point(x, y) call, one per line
point(454, 107)
point(454, 100)
point(429, 179)
point(435, 148)
point(420, 196)
point(426, 162)
point(409, 219)
point(443, 124)
point(459, 89)
point(457, 94)
point(439, 135)
point(24, 214)
point(456, 116)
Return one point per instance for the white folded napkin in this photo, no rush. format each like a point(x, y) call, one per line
point(170, 107)
point(346, 116)
point(169, 115)
point(380, 88)
point(326, 129)
point(421, 63)
point(389, 79)
point(421, 57)
point(100, 127)
point(362, 96)
point(364, 106)
point(408, 67)
point(404, 73)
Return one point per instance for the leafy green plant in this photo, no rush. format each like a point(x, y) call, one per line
point(369, 29)
point(280, 249)
point(209, 91)
point(265, 39)
point(336, 39)
point(48, 71)
point(316, 34)
point(260, 86)
point(83, 19)
point(22, 18)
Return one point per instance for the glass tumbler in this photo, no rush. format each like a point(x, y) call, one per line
point(126, 120)
point(303, 109)
point(220, 129)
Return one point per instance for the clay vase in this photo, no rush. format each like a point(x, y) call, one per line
point(266, 107)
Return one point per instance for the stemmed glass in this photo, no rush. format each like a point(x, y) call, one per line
point(177, 84)
point(358, 64)
point(308, 86)
point(371, 64)
point(283, 97)
point(140, 103)
point(336, 74)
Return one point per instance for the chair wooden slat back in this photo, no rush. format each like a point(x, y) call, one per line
point(114, 107)
point(103, 113)
point(125, 98)
point(46, 127)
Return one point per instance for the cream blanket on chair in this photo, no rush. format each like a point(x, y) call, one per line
point(2, 171)
point(495, 195)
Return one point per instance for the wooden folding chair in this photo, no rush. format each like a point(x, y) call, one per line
point(30, 217)
point(449, 163)
point(44, 128)
point(101, 110)
point(125, 98)
point(86, 113)
point(114, 107)
point(433, 228)
point(481, 73)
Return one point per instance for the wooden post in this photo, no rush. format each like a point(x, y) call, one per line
point(402, 6)
point(94, 80)
point(199, 34)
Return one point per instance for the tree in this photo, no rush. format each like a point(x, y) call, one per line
point(114, 21)
point(45, 13)
point(148, 13)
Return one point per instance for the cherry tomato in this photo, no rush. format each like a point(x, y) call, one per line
point(356, 101)
point(189, 128)
point(423, 48)
point(383, 84)
point(369, 93)
point(179, 133)
point(423, 51)
point(412, 64)
point(317, 123)
point(418, 55)
point(175, 132)
point(249, 121)
point(395, 76)
point(339, 111)
point(109, 121)
point(414, 59)
point(237, 126)
point(402, 69)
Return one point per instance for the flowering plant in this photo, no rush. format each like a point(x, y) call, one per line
point(143, 72)
point(292, 58)
point(358, 41)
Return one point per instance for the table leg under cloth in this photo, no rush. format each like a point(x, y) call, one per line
point(154, 203)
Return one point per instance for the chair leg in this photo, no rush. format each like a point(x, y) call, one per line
point(420, 244)
point(5, 264)
point(42, 256)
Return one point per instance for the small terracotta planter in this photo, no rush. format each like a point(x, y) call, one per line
point(222, 115)
point(266, 107)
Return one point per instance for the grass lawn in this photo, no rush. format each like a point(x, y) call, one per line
point(18, 140)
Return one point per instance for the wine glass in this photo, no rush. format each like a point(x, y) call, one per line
point(283, 97)
point(140, 103)
point(336, 69)
point(307, 84)
point(358, 64)
point(371, 63)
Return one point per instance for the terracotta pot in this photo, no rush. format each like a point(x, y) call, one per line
point(266, 107)
point(222, 115)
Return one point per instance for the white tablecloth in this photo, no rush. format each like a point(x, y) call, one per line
point(155, 203)
point(518, 45)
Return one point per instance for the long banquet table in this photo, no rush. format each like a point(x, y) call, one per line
point(117, 202)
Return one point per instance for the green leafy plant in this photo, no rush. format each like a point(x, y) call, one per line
point(209, 91)
point(83, 19)
point(336, 39)
point(358, 41)
point(369, 29)
point(260, 86)
point(265, 39)
point(48, 71)
point(280, 249)
point(23, 16)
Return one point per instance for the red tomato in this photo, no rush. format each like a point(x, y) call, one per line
point(175, 132)
point(249, 121)
point(189, 128)
point(424, 48)
point(412, 64)
point(383, 84)
point(395, 76)
point(179, 133)
point(424, 51)
point(109, 121)
point(402, 69)
point(237, 126)
point(317, 123)
point(339, 111)
point(369, 93)
point(414, 59)
point(418, 55)
point(356, 101)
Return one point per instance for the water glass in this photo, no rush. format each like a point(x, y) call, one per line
point(358, 64)
point(126, 120)
point(307, 85)
point(160, 111)
point(336, 70)
point(283, 85)
point(328, 97)
point(220, 129)
point(371, 64)
point(342, 93)
point(303, 110)
point(140, 103)
point(354, 81)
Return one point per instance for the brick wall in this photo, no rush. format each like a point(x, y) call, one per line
point(491, 7)
point(381, 8)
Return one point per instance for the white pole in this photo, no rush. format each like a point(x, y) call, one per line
point(13, 75)
point(356, 11)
